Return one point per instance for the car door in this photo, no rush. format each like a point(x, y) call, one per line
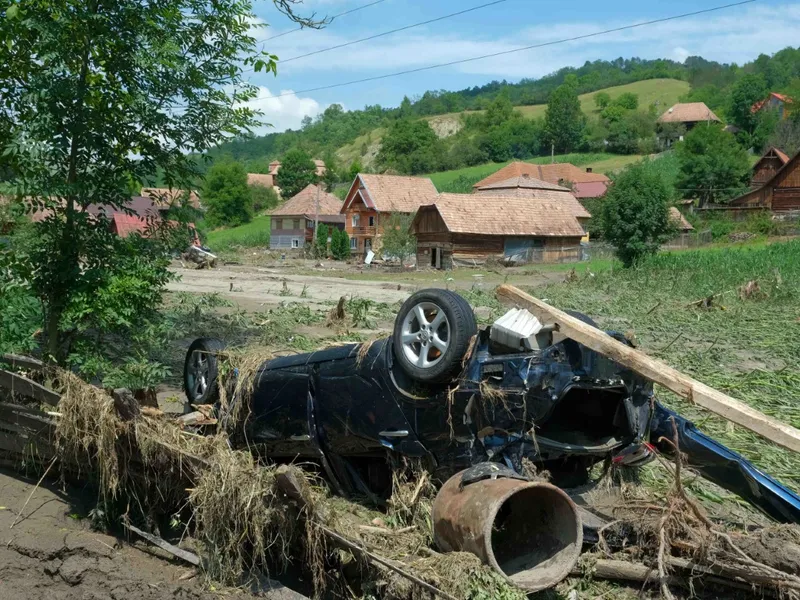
point(278, 422)
point(358, 413)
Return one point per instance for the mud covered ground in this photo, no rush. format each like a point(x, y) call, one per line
point(52, 553)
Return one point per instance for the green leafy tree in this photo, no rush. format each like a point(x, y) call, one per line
point(743, 95)
point(341, 250)
point(565, 124)
point(296, 173)
point(397, 240)
point(787, 136)
point(321, 241)
point(601, 100)
point(634, 215)
point(96, 94)
point(263, 197)
point(410, 147)
point(632, 132)
point(713, 167)
point(355, 168)
point(228, 198)
point(331, 176)
point(628, 101)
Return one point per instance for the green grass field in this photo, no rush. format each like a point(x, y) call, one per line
point(253, 234)
point(600, 163)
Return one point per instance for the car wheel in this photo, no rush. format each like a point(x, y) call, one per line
point(432, 333)
point(200, 371)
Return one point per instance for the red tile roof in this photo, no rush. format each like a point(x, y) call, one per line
point(552, 173)
point(125, 225)
point(760, 104)
point(590, 189)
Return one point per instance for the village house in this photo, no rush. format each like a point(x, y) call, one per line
point(292, 224)
point(584, 183)
point(773, 102)
point(779, 194)
point(373, 199)
point(526, 186)
point(770, 163)
point(469, 229)
point(261, 179)
point(689, 114)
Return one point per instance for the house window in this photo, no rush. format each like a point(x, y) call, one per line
point(309, 224)
point(367, 245)
point(353, 243)
point(297, 224)
point(278, 223)
point(356, 219)
point(295, 243)
point(372, 221)
point(274, 223)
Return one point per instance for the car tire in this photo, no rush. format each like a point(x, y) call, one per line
point(431, 352)
point(200, 371)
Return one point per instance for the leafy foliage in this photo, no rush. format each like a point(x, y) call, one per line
point(263, 198)
point(635, 212)
point(227, 196)
point(296, 173)
point(745, 92)
point(564, 123)
point(397, 240)
point(95, 97)
point(321, 241)
point(713, 167)
point(410, 147)
point(340, 244)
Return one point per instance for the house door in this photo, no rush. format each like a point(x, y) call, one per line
point(367, 245)
point(436, 258)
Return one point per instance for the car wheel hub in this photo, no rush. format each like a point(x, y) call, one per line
point(426, 335)
point(199, 373)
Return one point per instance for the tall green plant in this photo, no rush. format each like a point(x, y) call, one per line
point(228, 199)
point(635, 213)
point(97, 94)
point(321, 241)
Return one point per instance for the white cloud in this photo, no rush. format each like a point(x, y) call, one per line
point(735, 35)
point(282, 110)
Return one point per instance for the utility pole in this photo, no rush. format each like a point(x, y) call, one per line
point(316, 215)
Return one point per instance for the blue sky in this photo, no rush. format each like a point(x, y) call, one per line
point(732, 35)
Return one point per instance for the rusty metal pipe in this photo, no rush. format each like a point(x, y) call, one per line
point(528, 532)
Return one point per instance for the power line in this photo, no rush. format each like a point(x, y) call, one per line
point(333, 18)
point(506, 52)
point(377, 35)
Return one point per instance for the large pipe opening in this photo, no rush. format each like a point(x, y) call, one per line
point(534, 537)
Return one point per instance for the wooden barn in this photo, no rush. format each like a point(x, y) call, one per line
point(526, 186)
point(780, 193)
point(462, 230)
point(770, 163)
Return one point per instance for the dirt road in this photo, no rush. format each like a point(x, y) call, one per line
point(51, 553)
point(257, 288)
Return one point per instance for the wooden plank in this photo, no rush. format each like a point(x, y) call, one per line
point(686, 387)
point(21, 362)
point(17, 384)
point(189, 557)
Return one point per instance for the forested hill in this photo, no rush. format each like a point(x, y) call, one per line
point(335, 128)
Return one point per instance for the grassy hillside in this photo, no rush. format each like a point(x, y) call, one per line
point(600, 163)
point(663, 91)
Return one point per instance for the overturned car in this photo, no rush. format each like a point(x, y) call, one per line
point(441, 391)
